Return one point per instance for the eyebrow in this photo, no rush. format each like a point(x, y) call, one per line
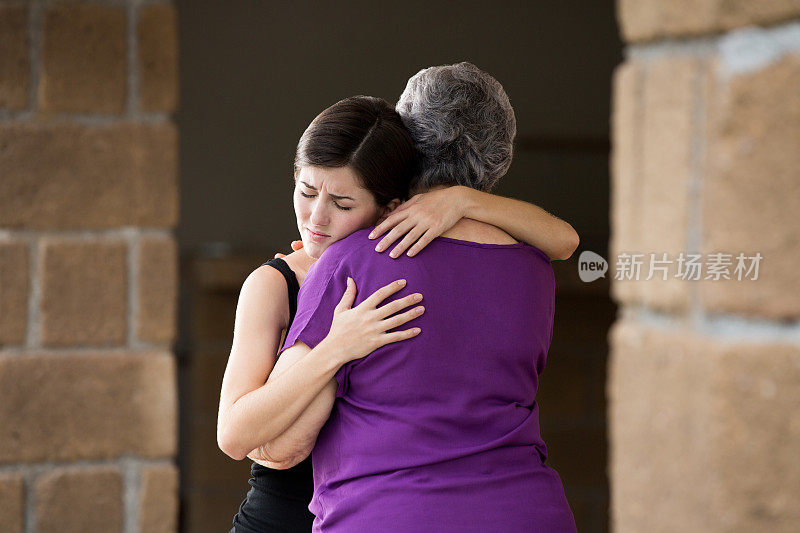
point(335, 196)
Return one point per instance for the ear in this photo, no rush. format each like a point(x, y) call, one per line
point(386, 210)
point(391, 206)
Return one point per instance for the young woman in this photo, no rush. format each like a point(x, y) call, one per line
point(353, 166)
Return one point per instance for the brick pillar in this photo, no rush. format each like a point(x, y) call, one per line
point(704, 376)
point(88, 267)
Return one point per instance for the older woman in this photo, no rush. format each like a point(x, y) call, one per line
point(353, 164)
point(439, 432)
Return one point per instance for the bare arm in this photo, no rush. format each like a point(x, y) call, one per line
point(524, 221)
point(268, 409)
point(296, 443)
point(253, 409)
point(359, 331)
point(427, 215)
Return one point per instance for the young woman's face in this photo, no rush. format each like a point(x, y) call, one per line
point(330, 205)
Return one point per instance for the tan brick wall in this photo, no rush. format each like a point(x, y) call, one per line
point(706, 432)
point(84, 300)
point(88, 176)
point(12, 495)
point(751, 199)
point(87, 405)
point(88, 267)
point(159, 499)
point(14, 58)
point(83, 59)
point(652, 169)
point(704, 376)
point(626, 171)
point(79, 499)
point(644, 20)
point(158, 57)
point(14, 290)
point(157, 290)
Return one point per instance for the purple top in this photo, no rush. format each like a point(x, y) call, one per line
point(439, 432)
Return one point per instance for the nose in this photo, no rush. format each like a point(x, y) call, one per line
point(319, 214)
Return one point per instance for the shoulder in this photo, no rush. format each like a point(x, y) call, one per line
point(265, 276)
point(264, 292)
point(343, 254)
point(357, 242)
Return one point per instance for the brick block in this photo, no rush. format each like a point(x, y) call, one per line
point(12, 496)
point(652, 195)
point(157, 290)
point(754, 132)
point(14, 59)
point(658, 402)
point(158, 57)
point(627, 122)
point(70, 176)
point(89, 405)
point(644, 20)
point(159, 499)
point(703, 432)
point(83, 59)
point(84, 293)
point(669, 103)
point(756, 393)
point(14, 287)
point(72, 500)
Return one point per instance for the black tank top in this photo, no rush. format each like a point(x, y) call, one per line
point(278, 499)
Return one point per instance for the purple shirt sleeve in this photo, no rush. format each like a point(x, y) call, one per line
point(319, 295)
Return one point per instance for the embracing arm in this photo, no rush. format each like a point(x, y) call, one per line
point(354, 333)
point(524, 221)
point(296, 443)
point(427, 215)
point(253, 409)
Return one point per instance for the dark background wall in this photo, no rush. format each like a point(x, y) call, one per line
point(254, 74)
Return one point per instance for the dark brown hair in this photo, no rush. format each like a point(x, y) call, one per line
point(368, 135)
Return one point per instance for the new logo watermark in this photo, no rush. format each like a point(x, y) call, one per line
point(628, 266)
point(591, 266)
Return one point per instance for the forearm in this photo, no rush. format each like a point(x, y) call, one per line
point(263, 414)
point(524, 221)
point(296, 443)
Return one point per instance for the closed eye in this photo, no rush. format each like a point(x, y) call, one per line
point(334, 203)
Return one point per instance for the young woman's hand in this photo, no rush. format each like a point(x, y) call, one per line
point(358, 331)
point(421, 219)
point(296, 245)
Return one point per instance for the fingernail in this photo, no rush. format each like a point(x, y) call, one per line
point(418, 297)
point(401, 282)
point(378, 248)
point(393, 254)
point(371, 235)
point(410, 254)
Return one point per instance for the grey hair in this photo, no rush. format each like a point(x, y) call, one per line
point(462, 124)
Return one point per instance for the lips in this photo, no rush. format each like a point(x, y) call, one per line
point(316, 234)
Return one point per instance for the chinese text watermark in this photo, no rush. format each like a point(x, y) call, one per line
point(631, 266)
